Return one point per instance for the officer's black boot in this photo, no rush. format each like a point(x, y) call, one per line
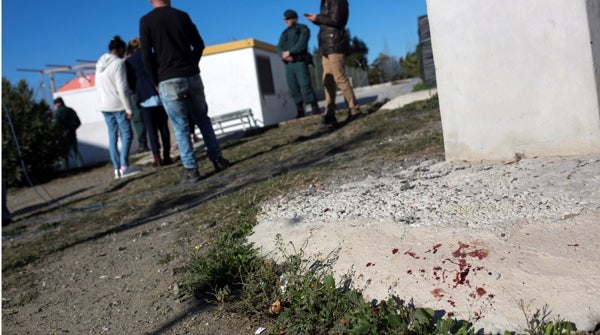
point(315, 108)
point(300, 110)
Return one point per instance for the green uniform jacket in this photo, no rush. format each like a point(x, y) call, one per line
point(295, 40)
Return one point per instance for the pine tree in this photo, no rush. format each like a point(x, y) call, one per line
point(35, 136)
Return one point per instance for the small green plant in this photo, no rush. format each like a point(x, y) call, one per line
point(223, 262)
point(313, 303)
point(421, 87)
point(538, 323)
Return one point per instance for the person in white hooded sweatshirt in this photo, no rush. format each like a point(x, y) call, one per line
point(114, 103)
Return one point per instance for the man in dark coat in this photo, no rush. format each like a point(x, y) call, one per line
point(293, 49)
point(68, 121)
point(334, 44)
point(171, 50)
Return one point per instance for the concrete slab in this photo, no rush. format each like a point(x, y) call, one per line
point(405, 99)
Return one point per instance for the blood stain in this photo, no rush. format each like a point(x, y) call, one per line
point(459, 253)
point(438, 293)
point(412, 254)
point(461, 277)
point(480, 253)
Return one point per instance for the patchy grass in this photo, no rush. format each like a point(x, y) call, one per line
point(215, 216)
point(220, 210)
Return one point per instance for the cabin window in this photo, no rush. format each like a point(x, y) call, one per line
point(265, 75)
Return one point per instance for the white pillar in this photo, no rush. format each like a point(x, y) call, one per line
point(517, 76)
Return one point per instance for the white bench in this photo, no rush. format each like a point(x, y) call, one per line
point(243, 118)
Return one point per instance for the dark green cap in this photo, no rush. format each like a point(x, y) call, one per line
point(290, 14)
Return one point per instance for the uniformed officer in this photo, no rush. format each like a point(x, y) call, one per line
point(293, 49)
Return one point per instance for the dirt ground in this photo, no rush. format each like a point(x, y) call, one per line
point(119, 283)
point(116, 284)
point(126, 281)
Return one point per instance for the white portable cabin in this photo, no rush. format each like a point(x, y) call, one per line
point(245, 75)
point(92, 136)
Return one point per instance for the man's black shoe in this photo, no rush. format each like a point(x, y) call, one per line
point(329, 121)
point(315, 109)
point(220, 163)
point(353, 116)
point(190, 176)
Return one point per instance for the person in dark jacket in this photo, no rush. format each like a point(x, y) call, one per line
point(153, 113)
point(68, 121)
point(293, 50)
point(334, 44)
point(171, 50)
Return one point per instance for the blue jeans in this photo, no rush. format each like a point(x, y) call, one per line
point(182, 97)
point(117, 123)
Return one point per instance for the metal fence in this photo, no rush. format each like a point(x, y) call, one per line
point(426, 51)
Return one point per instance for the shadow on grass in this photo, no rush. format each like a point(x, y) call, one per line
point(193, 308)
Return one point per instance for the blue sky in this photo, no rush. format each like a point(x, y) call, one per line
point(36, 33)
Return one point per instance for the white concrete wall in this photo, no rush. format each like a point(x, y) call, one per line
point(517, 77)
point(594, 21)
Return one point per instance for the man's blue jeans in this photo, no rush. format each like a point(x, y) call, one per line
point(117, 123)
point(181, 96)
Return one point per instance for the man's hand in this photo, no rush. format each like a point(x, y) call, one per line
point(285, 55)
point(311, 17)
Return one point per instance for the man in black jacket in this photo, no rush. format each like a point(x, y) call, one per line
point(171, 50)
point(334, 44)
point(68, 121)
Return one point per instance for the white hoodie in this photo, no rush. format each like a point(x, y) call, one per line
point(111, 83)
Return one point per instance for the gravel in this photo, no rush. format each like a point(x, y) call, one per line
point(490, 195)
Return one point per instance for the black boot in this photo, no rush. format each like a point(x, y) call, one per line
point(300, 110)
point(315, 108)
point(190, 176)
point(220, 163)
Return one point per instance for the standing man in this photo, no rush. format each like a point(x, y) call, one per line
point(293, 49)
point(68, 121)
point(334, 44)
point(171, 50)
